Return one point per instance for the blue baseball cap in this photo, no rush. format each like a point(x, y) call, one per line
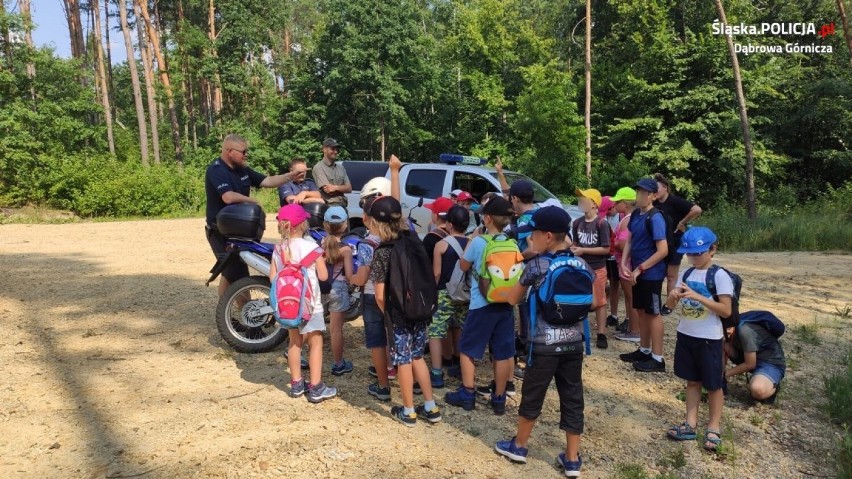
point(697, 240)
point(335, 214)
point(647, 184)
point(552, 219)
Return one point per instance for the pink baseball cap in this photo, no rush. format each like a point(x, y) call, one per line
point(293, 213)
point(606, 205)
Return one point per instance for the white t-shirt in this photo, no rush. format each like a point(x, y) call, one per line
point(299, 248)
point(696, 320)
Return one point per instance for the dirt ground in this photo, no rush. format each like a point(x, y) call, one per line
point(113, 367)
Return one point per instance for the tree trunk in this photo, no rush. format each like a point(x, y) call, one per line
point(75, 28)
point(154, 38)
point(134, 79)
point(148, 75)
point(845, 24)
point(588, 68)
point(216, 90)
point(100, 70)
point(751, 201)
point(108, 44)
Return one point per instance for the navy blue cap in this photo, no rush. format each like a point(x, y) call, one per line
point(552, 219)
point(522, 189)
point(647, 184)
point(385, 209)
point(697, 240)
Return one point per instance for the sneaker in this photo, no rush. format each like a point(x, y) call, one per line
point(446, 362)
point(627, 336)
point(487, 390)
point(409, 420)
point(320, 392)
point(519, 373)
point(297, 388)
point(602, 342)
point(462, 398)
point(512, 450)
point(571, 468)
point(624, 326)
point(454, 372)
point(612, 320)
point(378, 392)
point(433, 416)
point(650, 365)
point(633, 357)
point(391, 374)
point(498, 404)
point(437, 377)
point(417, 389)
point(665, 311)
point(342, 368)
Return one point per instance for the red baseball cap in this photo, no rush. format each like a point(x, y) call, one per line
point(440, 206)
point(465, 196)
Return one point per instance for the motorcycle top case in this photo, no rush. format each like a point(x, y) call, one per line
point(242, 220)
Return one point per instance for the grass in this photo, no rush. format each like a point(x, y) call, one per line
point(838, 392)
point(808, 333)
point(674, 459)
point(845, 312)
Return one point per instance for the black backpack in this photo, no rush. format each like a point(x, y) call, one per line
point(410, 288)
point(710, 280)
point(670, 239)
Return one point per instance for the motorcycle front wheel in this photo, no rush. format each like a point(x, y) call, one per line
point(244, 317)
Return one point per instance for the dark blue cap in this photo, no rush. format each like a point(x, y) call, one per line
point(549, 218)
point(647, 184)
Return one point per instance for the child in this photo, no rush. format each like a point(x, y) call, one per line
point(409, 340)
point(339, 256)
point(754, 349)
point(375, 332)
point(698, 351)
point(591, 242)
point(624, 199)
point(292, 225)
point(643, 260)
point(450, 314)
point(608, 212)
point(561, 359)
point(486, 324)
point(439, 209)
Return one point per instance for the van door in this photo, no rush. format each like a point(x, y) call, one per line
point(421, 182)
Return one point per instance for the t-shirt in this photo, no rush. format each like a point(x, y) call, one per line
point(379, 270)
point(591, 234)
point(523, 220)
point(365, 253)
point(643, 246)
point(676, 208)
point(292, 189)
point(298, 248)
point(547, 338)
point(753, 337)
point(334, 174)
point(474, 254)
point(431, 239)
point(696, 320)
point(220, 179)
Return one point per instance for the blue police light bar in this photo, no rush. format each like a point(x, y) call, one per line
point(462, 159)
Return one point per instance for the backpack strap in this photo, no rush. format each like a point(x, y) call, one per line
point(710, 281)
point(439, 232)
point(311, 257)
point(454, 243)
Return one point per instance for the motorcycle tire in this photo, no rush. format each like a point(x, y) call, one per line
point(247, 330)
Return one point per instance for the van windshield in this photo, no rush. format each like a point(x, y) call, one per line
point(541, 193)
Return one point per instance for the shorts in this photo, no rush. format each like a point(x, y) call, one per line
point(235, 269)
point(647, 296)
point(492, 325)
point(450, 314)
point(338, 298)
point(612, 269)
point(699, 360)
point(568, 371)
point(599, 288)
point(316, 323)
point(408, 346)
point(771, 371)
point(375, 332)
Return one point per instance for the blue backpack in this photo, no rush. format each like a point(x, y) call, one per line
point(565, 296)
point(767, 320)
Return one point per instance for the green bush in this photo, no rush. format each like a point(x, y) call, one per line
point(838, 391)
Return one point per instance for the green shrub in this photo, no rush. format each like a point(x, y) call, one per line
point(838, 392)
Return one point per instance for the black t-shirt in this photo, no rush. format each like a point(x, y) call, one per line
point(220, 179)
point(676, 208)
point(431, 239)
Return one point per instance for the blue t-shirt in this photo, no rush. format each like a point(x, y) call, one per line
point(643, 246)
point(292, 189)
point(474, 254)
point(524, 220)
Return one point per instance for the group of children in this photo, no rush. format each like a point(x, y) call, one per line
point(480, 275)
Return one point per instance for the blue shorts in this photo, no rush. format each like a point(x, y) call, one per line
point(408, 346)
point(375, 333)
point(699, 360)
point(493, 325)
point(338, 298)
point(771, 371)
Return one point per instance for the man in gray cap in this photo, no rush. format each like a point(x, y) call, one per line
point(330, 176)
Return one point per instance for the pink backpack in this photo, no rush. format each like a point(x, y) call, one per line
point(291, 294)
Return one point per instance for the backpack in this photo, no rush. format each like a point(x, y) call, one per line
point(458, 287)
point(710, 280)
point(670, 239)
point(291, 294)
point(513, 226)
point(410, 287)
point(767, 320)
point(325, 285)
point(565, 296)
point(502, 265)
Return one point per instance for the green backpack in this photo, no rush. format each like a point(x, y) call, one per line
point(501, 268)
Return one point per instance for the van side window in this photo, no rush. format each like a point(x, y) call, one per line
point(474, 184)
point(425, 183)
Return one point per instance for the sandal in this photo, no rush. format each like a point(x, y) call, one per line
point(715, 441)
point(683, 432)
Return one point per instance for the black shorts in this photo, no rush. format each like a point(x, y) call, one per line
point(235, 268)
point(699, 360)
point(568, 371)
point(612, 270)
point(647, 296)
